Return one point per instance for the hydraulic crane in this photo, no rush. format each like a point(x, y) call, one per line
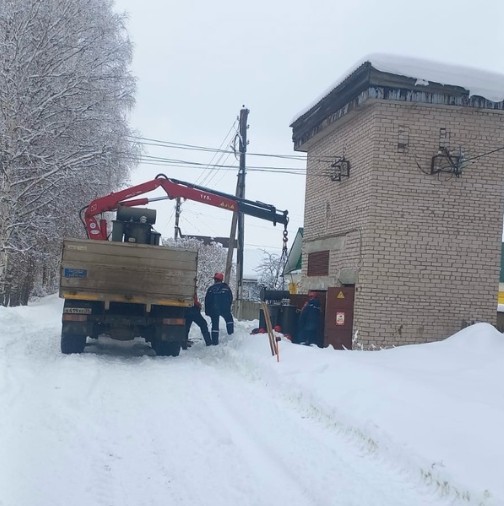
point(96, 225)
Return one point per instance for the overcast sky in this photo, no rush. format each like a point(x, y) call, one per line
point(198, 62)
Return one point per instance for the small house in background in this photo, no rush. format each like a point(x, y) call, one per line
point(292, 268)
point(251, 289)
point(404, 199)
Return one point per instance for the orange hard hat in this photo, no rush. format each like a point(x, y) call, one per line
point(218, 276)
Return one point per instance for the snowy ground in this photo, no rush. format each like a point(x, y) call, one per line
point(229, 425)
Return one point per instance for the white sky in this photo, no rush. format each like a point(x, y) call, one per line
point(418, 425)
point(198, 62)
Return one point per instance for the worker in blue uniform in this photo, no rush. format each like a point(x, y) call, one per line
point(218, 300)
point(193, 314)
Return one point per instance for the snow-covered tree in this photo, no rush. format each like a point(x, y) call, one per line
point(65, 90)
point(211, 259)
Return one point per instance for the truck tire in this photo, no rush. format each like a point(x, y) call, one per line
point(166, 348)
point(175, 349)
point(72, 343)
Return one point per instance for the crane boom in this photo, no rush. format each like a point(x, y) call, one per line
point(96, 228)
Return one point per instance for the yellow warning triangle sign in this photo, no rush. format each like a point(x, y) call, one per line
point(340, 295)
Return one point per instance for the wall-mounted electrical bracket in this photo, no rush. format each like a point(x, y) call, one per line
point(340, 168)
point(447, 162)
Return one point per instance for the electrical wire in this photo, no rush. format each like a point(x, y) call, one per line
point(483, 154)
point(221, 164)
point(207, 178)
point(464, 161)
point(157, 160)
point(193, 147)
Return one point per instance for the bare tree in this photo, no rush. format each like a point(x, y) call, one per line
point(270, 271)
point(65, 90)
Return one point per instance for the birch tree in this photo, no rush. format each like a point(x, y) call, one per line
point(65, 91)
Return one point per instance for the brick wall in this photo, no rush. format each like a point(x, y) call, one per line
point(426, 248)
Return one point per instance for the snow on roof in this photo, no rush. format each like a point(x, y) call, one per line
point(479, 82)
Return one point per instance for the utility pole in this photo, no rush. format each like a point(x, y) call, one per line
point(232, 240)
point(177, 218)
point(238, 218)
point(241, 194)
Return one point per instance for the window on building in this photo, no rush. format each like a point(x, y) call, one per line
point(318, 263)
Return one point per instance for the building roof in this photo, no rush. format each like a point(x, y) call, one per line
point(400, 78)
point(295, 254)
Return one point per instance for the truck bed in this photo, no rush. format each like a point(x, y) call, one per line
point(123, 272)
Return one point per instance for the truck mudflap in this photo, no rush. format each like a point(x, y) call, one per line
point(76, 319)
point(169, 334)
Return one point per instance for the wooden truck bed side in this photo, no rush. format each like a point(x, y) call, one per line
point(125, 272)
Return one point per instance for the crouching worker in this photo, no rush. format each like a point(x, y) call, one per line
point(193, 314)
point(218, 302)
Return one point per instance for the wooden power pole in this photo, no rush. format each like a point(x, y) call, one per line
point(241, 194)
point(177, 218)
point(238, 218)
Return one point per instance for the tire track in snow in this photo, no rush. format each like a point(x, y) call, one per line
point(292, 447)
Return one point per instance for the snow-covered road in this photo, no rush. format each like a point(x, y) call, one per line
point(118, 426)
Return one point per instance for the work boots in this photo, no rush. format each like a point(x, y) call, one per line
point(230, 327)
point(207, 338)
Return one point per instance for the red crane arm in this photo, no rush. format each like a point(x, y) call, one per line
point(96, 228)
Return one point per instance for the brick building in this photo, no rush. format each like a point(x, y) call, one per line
point(405, 197)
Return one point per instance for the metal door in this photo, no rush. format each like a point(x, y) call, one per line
point(339, 317)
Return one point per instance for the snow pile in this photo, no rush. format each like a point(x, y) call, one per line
point(483, 83)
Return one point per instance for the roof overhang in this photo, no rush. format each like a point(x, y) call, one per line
point(367, 84)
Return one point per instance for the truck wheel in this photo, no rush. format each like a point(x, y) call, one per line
point(72, 343)
point(166, 349)
point(175, 349)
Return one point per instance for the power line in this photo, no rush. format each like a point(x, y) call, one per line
point(193, 147)
point(158, 160)
point(207, 178)
point(483, 154)
point(322, 159)
point(184, 164)
point(177, 163)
